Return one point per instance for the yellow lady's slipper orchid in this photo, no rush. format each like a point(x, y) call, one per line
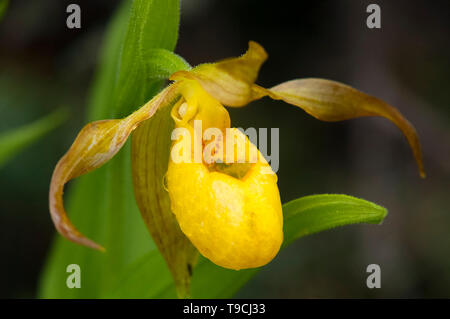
point(231, 212)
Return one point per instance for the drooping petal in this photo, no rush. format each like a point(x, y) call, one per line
point(96, 143)
point(151, 144)
point(333, 101)
point(230, 81)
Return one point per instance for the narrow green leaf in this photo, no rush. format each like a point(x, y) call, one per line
point(315, 213)
point(153, 25)
point(82, 202)
point(100, 100)
point(15, 140)
point(101, 203)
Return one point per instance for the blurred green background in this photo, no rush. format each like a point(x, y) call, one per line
point(45, 65)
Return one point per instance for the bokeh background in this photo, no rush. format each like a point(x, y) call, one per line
point(44, 65)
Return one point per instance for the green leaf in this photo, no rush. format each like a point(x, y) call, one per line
point(99, 104)
point(303, 216)
point(3, 7)
point(15, 140)
point(315, 213)
point(212, 281)
point(146, 278)
point(153, 25)
point(162, 63)
point(101, 204)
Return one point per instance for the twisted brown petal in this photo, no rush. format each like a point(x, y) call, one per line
point(150, 159)
point(96, 144)
point(333, 101)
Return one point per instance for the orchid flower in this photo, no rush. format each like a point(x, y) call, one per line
point(231, 213)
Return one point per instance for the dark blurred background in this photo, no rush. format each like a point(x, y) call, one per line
point(44, 65)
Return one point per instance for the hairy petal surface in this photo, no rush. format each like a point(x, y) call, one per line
point(96, 143)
